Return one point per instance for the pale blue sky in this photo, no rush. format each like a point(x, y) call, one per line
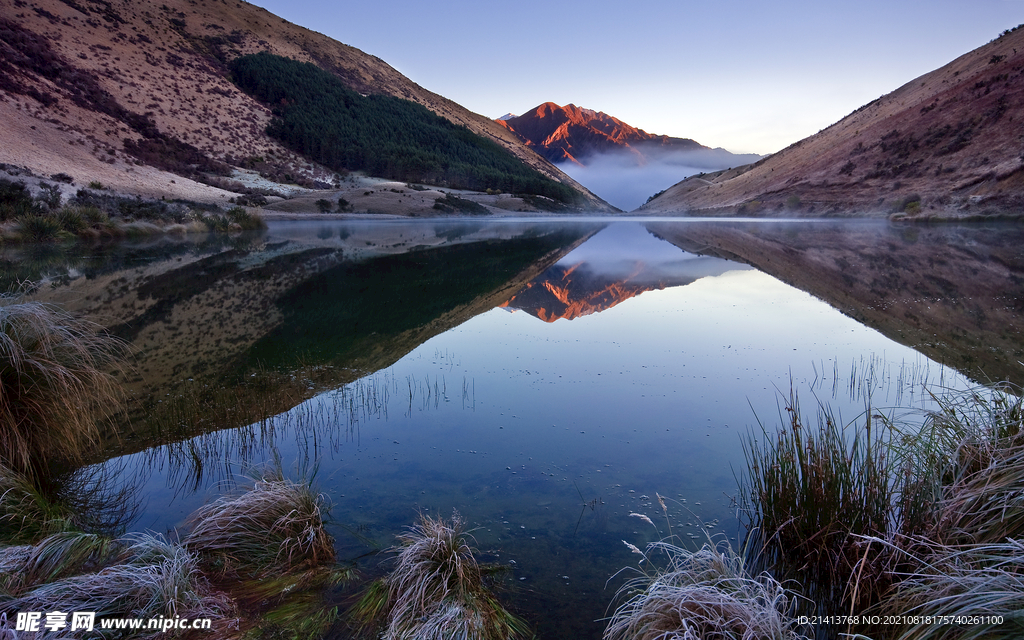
point(750, 76)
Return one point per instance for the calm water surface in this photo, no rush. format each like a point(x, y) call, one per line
point(615, 367)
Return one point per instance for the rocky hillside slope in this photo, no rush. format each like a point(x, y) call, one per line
point(136, 96)
point(574, 134)
point(949, 143)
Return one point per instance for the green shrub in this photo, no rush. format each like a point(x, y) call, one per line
point(71, 220)
point(15, 200)
point(93, 215)
point(49, 195)
point(215, 222)
point(323, 205)
point(246, 220)
point(251, 200)
point(39, 228)
point(749, 208)
point(451, 203)
point(654, 196)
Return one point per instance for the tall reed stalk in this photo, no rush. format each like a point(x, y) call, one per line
point(812, 493)
point(967, 556)
point(896, 519)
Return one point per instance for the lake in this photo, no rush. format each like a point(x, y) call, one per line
point(544, 378)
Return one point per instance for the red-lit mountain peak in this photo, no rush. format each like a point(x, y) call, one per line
point(573, 133)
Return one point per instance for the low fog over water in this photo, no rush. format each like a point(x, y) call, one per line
point(626, 180)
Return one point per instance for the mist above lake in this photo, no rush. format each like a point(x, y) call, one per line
point(627, 179)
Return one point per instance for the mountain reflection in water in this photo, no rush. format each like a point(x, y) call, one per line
point(618, 263)
point(378, 355)
point(952, 292)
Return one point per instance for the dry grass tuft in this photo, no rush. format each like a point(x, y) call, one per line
point(977, 473)
point(981, 583)
point(62, 555)
point(436, 590)
point(154, 579)
point(55, 382)
point(276, 526)
point(702, 594)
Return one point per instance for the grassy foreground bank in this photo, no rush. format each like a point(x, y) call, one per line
point(258, 562)
point(873, 530)
point(255, 564)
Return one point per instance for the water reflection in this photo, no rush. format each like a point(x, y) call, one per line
point(227, 333)
point(384, 356)
point(617, 263)
point(952, 292)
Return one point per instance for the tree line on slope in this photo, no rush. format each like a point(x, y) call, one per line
point(319, 117)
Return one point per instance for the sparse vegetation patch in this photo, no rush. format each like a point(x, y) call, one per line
point(451, 203)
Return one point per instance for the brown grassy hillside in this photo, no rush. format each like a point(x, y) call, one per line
point(79, 78)
point(948, 143)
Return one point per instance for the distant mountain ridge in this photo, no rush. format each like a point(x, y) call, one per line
point(945, 144)
point(574, 134)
